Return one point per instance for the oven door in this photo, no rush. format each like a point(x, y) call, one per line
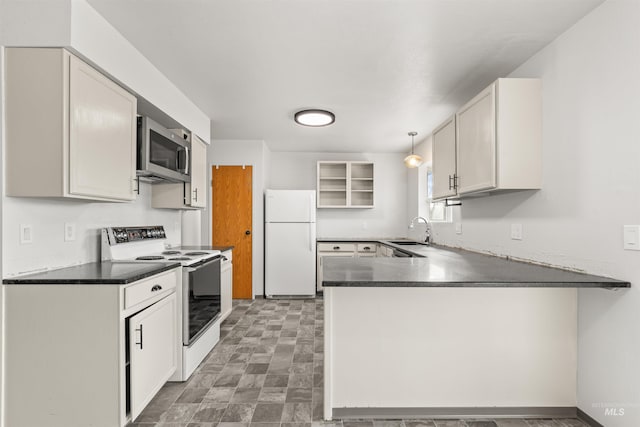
point(201, 298)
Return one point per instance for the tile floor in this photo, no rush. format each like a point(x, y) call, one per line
point(267, 370)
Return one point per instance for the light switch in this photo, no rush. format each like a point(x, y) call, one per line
point(69, 231)
point(632, 237)
point(516, 231)
point(26, 234)
point(458, 228)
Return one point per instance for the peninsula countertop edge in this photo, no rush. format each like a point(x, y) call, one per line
point(437, 266)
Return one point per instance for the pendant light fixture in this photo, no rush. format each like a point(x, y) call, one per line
point(314, 118)
point(412, 160)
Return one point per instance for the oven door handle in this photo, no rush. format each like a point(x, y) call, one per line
point(194, 267)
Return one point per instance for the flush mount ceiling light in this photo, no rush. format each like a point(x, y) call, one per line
point(412, 160)
point(314, 118)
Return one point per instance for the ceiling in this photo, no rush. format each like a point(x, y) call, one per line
point(384, 67)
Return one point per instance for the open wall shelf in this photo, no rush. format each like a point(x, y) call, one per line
point(343, 184)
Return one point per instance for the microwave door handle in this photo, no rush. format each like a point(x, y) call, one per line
point(187, 160)
point(184, 170)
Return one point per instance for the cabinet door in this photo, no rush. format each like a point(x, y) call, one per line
point(153, 352)
point(476, 143)
point(444, 159)
point(319, 286)
point(226, 291)
point(198, 173)
point(102, 135)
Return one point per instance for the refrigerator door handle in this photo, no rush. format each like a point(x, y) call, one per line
point(310, 237)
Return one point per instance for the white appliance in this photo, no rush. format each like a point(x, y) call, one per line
point(198, 298)
point(290, 243)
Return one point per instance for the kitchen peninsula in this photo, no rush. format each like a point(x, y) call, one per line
point(451, 333)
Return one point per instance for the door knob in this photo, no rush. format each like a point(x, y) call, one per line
point(247, 232)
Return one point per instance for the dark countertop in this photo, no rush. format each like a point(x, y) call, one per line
point(206, 248)
point(445, 267)
point(358, 239)
point(95, 273)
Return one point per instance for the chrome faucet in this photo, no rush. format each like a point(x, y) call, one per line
point(412, 224)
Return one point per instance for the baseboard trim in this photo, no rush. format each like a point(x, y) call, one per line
point(587, 418)
point(457, 412)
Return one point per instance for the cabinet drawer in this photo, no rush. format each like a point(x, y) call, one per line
point(366, 254)
point(367, 247)
point(150, 288)
point(336, 247)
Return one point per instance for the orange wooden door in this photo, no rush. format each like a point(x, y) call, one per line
point(231, 211)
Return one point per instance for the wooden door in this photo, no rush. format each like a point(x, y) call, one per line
point(231, 211)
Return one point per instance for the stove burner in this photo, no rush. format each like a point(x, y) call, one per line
point(170, 252)
point(150, 258)
point(180, 258)
point(197, 253)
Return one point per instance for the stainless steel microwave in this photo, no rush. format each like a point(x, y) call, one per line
point(162, 155)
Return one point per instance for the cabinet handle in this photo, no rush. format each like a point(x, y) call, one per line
point(136, 189)
point(336, 248)
point(196, 194)
point(455, 181)
point(367, 248)
point(156, 288)
point(450, 180)
point(140, 330)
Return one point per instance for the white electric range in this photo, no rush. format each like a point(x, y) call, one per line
point(198, 295)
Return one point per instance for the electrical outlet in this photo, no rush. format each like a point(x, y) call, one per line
point(26, 234)
point(516, 231)
point(69, 231)
point(458, 228)
point(631, 237)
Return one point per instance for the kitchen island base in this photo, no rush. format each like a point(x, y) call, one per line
point(442, 352)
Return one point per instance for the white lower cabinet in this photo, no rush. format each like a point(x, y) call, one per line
point(343, 250)
point(88, 354)
point(384, 251)
point(152, 342)
point(226, 285)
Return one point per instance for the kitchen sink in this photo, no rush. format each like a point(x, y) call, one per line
point(407, 243)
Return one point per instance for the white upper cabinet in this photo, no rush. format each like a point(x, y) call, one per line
point(187, 195)
point(499, 138)
point(198, 184)
point(71, 132)
point(444, 159)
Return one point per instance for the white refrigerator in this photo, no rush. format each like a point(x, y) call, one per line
point(290, 243)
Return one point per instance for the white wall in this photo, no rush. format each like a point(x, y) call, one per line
point(97, 40)
point(76, 25)
point(48, 216)
point(591, 187)
point(389, 217)
point(417, 189)
point(35, 23)
point(238, 153)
